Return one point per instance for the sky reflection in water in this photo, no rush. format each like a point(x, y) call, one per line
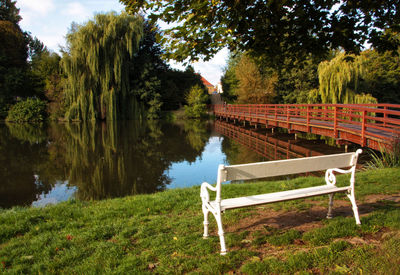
point(185, 174)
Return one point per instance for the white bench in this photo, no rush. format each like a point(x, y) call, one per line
point(278, 168)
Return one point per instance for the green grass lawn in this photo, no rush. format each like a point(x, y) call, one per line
point(162, 233)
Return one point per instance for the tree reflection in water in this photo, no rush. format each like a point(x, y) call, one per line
point(102, 160)
point(106, 160)
point(22, 151)
point(115, 159)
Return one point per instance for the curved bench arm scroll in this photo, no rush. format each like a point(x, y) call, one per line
point(330, 177)
point(205, 196)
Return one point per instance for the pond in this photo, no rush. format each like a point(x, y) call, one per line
point(44, 164)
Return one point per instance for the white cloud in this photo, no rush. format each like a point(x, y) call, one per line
point(29, 9)
point(212, 70)
point(77, 10)
point(41, 7)
point(53, 40)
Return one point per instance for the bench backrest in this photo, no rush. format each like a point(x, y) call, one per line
point(286, 167)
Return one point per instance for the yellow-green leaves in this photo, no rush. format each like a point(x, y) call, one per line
point(96, 64)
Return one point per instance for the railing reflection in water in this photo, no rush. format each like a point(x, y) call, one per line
point(266, 144)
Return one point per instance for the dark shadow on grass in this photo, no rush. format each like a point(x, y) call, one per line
point(308, 219)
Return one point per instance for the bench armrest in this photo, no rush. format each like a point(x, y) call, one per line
point(330, 177)
point(204, 192)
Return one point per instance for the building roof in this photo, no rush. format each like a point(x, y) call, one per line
point(206, 83)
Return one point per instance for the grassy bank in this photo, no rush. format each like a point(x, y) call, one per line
point(161, 233)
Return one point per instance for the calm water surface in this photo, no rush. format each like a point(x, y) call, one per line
point(46, 164)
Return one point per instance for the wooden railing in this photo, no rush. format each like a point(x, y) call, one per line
point(370, 125)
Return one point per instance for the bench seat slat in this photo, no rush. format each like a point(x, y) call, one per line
point(279, 196)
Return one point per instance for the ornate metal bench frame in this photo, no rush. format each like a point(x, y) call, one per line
point(278, 168)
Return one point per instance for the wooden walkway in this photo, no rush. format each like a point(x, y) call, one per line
point(375, 126)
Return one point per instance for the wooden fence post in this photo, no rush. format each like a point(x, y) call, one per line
point(363, 127)
point(385, 116)
point(308, 118)
point(335, 131)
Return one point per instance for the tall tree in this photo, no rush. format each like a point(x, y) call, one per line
point(146, 69)
point(9, 12)
point(196, 102)
point(47, 70)
point(176, 85)
point(253, 86)
point(228, 80)
point(339, 80)
point(381, 76)
point(276, 29)
point(96, 63)
point(13, 65)
point(16, 78)
point(297, 80)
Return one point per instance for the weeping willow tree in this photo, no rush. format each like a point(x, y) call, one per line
point(339, 80)
point(96, 62)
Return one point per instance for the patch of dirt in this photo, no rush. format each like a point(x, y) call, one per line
point(302, 221)
point(376, 198)
point(308, 219)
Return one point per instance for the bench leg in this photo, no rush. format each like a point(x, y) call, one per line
point(205, 212)
point(329, 215)
point(355, 209)
point(221, 233)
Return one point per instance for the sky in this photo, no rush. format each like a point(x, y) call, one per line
point(49, 21)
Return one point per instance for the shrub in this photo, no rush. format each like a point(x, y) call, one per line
point(32, 110)
point(386, 158)
point(196, 100)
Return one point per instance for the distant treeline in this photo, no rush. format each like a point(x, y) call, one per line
point(369, 77)
point(111, 68)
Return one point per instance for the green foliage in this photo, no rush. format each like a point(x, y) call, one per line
point(33, 133)
point(16, 77)
point(9, 12)
point(124, 82)
point(32, 110)
point(297, 80)
point(196, 102)
point(381, 76)
point(175, 86)
point(278, 30)
point(13, 49)
point(96, 63)
point(253, 87)
point(228, 80)
point(146, 70)
point(339, 80)
point(291, 82)
point(13, 66)
point(35, 47)
point(47, 66)
point(367, 78)
point(385, 158)
point(245, 81)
